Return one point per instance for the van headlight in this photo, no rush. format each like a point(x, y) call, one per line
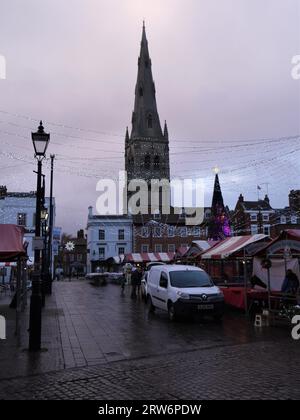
point(183, 295)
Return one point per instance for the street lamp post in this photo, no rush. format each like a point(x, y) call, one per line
point(40, 141)
point(50, 233)
point(44, 219)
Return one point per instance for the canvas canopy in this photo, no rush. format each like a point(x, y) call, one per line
point(284, 253)
point(230, 246)
point(277, 271)
point(11, 243)
point(149, 257)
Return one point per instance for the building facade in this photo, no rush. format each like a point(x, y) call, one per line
point(286, 218)
point(72, 256)
point(294, 200)
point(251, 217)
point(107, 236)
point(167, 233)
point(18, 208)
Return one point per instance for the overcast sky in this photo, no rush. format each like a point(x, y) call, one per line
point(223, 79)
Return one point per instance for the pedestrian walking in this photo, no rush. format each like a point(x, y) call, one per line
point(123, 283)
point(136, 281)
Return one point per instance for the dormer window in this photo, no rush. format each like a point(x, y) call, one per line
point(283, 220)
point(146, 64)
point(149, 121)
point(141, 91)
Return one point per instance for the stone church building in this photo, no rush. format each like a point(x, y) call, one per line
point(147, 158)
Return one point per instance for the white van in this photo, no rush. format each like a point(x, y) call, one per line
point(183, 290)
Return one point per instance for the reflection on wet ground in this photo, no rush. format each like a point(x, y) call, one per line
point(84, 325)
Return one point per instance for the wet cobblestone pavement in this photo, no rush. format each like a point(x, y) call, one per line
point(102, 345)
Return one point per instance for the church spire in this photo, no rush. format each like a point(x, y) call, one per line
point(217, 200)
point(219, 225)
point(166, 132)
point(126, 136)
point(145, 118)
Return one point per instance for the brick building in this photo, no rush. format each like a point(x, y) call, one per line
point(167, 233)
point(73, 254)
point(294, 200)
point(251, 217)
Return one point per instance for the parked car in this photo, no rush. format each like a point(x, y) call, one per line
point(183, 290)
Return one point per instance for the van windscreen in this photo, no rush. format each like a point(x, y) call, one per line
point(189, 278)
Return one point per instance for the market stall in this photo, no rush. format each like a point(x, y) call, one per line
point(229, 263)
point(192, 253)
point(284, 255)
point(278, 267)
point(225, 261)
point(13, 249)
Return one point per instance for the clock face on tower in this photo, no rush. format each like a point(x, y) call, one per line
point(70, 246)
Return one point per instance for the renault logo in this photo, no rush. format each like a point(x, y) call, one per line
point(204, 297)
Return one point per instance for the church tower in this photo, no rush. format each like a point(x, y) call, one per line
point(147, 146)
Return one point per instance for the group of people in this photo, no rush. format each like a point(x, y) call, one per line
point(136, 275)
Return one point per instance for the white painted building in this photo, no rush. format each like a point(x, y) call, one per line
point(18, 208)
point(107, 236)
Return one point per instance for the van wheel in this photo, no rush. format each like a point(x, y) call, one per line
point(151, 307)
point(172, 312)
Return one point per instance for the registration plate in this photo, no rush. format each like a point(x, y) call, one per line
point(204, 307)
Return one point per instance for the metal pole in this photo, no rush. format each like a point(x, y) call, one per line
point(245, 282)
point(35, 319)
point(24, 284)
point(269, 290)
point(43, 235)
point(50, 238)
point(18, 304)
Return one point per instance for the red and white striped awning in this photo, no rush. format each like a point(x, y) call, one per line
point(7, 264)
point(14, 264)
point(149, 257)
point(231, 245)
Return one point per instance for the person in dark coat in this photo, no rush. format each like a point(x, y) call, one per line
point(291, 283)
point(136, 280)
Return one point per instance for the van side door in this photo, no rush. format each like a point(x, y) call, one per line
point(162, 291)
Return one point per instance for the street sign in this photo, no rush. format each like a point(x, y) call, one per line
point(37, 244)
